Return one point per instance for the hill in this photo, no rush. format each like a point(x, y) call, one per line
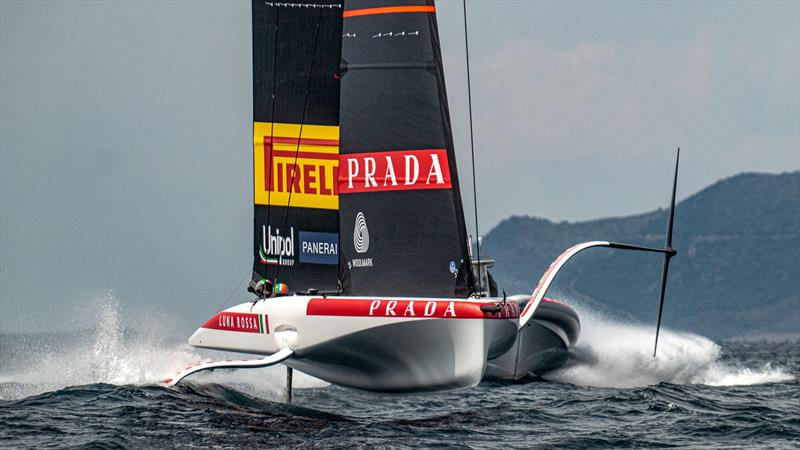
point(737, 272)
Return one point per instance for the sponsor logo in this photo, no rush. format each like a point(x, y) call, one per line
point(427, 309)
point(319, 248)
point(360, 242)
point(275, 248)
point(394, 171)
point(361, 234)
point(409, 308)
point(360, 262)
point(453, 269)
point(240, 322)
point(307, 166)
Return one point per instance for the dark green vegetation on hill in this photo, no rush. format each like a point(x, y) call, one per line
point(737, 272)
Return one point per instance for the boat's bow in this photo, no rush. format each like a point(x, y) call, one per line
point(385, 344)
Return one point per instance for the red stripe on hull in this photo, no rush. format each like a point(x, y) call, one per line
point(550, 300)
point(233, 321)
point(440, 309)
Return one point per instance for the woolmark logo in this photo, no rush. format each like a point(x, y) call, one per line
point(361, 234)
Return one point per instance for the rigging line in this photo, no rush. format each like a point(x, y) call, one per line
point(272, 131)
point(472, 151)
point(219, 308)
point(300, 134)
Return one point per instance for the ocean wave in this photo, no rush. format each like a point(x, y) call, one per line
point(98, 388)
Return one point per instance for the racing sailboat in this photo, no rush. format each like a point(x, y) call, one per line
point(358, 211)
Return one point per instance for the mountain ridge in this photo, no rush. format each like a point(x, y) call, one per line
point(737, 269)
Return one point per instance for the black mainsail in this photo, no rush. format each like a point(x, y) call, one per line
point(296, 58)
point(401, 217)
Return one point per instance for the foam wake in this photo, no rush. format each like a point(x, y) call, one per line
point(113, 355)
point(615, 354)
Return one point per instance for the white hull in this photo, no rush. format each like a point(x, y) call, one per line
point(409, 356)
point(377, 344)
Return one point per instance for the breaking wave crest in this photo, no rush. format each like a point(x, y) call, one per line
point(620, 355)
point(117, 355)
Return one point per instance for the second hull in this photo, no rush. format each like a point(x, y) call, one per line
point(542, 345)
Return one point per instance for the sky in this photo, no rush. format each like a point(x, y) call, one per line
point(125, 132)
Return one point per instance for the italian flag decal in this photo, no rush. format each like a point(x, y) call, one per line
point(266, 260)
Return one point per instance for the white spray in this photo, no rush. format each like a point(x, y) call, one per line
point(108, 355)
point(615, 354)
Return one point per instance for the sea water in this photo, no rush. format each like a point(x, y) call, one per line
point(98, 388)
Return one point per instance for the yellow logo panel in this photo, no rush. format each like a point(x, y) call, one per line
point(306, 166)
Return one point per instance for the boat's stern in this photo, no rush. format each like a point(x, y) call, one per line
point(542, 344)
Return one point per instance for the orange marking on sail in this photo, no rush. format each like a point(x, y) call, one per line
point(388, 10)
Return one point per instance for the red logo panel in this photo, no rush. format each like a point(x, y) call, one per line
point(407, 308)
point(399, 170)
point(242, 322)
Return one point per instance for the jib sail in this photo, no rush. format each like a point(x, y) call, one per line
point(401, 219)
point(296, 57)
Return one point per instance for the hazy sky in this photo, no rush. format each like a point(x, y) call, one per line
point(125, 132)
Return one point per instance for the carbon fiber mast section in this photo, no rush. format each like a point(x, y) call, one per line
point(402, 223)
point(296, 55)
